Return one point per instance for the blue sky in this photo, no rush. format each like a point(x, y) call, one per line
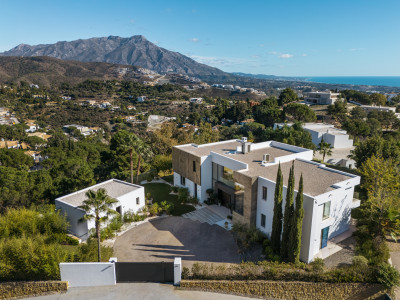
point(287, 38)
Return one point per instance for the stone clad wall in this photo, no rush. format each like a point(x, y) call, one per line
point(288, 290)
point(31, 288)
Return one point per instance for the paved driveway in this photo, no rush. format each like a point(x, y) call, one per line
point(133, 291)
point(163, 239)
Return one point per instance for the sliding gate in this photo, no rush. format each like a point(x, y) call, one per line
point(144, 271)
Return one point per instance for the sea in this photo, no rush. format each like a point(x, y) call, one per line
point(393, 81)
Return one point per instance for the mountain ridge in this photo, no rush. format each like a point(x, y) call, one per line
point(135, 50)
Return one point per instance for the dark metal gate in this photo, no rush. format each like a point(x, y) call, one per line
point(144, 271)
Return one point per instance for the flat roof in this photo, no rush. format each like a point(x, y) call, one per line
point(115, 188)
point(230, 146)
point(317, 179)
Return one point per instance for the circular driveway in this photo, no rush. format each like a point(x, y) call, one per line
point(163, 239)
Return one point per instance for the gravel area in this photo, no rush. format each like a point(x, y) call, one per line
point(344, 256)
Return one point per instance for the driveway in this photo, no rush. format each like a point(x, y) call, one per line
point(163, 239)
point(128, 291)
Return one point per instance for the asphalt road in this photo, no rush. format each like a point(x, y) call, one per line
point(163, 239)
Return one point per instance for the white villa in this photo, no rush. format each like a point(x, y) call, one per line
point(337, 138)
point(321, 98)
point(130, 198)
point(243, 175)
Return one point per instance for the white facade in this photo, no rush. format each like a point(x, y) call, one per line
point(321, 98)
point(324, 187)
point(130, 198)
point(337, 138)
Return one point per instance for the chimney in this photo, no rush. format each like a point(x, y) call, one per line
point(266, 157)
point(245, 145)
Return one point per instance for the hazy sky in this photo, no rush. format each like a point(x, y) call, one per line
point(293, 38)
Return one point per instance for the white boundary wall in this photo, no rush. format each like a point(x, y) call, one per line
point(88, 274)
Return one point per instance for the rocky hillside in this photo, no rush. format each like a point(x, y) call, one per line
point(48, 70)
point(136, 50)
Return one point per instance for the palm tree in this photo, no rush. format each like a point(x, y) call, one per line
point(324, 148)
point(98, 207)
point(134, 144)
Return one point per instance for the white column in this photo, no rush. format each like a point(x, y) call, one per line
point(177, 270)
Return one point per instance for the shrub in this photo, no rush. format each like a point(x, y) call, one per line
point(247, 236)
point(166, 207)
point(387, 275)
point(360, 261)
point(185, 273)
point(183, 195)
point(154, 209)
point(175, 189)
point(318, 265)
point(130, 217)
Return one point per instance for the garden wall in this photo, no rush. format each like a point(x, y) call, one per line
point(31, 288)
point(288, 290)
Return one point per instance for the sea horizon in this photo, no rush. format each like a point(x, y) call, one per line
point(391, 81)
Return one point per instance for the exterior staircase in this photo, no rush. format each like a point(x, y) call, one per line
point(204, 215)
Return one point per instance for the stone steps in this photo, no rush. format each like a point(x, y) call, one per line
point(203, 215)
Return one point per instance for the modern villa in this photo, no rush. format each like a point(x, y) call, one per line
point(243, 176)
point(337, 138)
point(130, 197)
point(321, 98)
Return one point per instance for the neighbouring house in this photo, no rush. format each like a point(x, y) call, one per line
point(196, 100)
point(141, 98)
point(369, 108)
point(41, 135)
point(85, 130)
point(37, 157)
point(32, 126)
point(243, 174)
point(321, 98)
point(337, 138)
point(9, 144)
point(130, 199)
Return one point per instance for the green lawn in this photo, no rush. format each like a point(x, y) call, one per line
point(161, 192)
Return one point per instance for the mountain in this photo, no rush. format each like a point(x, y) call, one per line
point(45, 70)
point(135, 50)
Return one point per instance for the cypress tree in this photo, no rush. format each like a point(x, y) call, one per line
point(278, 215)
point(288, 215)
point(297, 225)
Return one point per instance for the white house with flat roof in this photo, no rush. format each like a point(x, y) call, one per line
point(243, 175)
point(321, 98)
point(337, 138)
point(130, 197)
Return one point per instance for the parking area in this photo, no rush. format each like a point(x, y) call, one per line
point(163, 239)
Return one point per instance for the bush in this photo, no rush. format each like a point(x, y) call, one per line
point(185, 273)
point(374, 249)
point(155, 209)
point(175, 189)
point(130, 217)
point(387, 275)
point(183, 195)
point(246, 236)
point(318, 265)
point(360, 261)
point(166, 207)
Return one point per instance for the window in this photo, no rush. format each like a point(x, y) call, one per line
point(264, 193)
point(326, 210)
point(262, 220)
point(194, 166)
point(183, 181)
point(137, 201)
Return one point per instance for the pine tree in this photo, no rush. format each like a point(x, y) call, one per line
point(278, 215)
point(288, 215)
point(296, 226)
